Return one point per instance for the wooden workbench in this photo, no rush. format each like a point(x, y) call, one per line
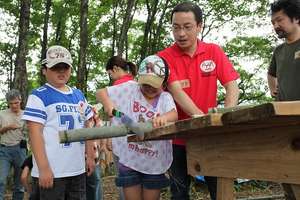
point(260, 143)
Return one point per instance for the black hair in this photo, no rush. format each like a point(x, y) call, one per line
point(122, 63)
point(188, 6)
point(290, 7)
point(167, 73)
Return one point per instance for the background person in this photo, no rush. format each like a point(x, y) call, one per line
point(94, 190)
point(119, 71)
point(34, 192)
point(284, 70)
point(12, 144)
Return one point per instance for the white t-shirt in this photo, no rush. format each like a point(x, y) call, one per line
point(151, 157)
point(58, 111)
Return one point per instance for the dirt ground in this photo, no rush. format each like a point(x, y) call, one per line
point(245, 191)
point(250, 190)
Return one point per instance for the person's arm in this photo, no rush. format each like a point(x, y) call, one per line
point(162, 120)
point(273, 85)
point(232, 94)
point(183, 100)
point(9, 127)
point(39, 152)
point(89, 150)
point(25, 178)
point(103, 98)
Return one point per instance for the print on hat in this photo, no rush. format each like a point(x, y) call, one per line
point(57, 54)
point(152, 71)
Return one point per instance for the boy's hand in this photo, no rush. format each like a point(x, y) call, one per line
point(46, 178)
point(159, 121)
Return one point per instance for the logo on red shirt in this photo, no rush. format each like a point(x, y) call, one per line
point(207, 66)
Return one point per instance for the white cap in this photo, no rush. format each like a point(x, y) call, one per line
point(57, 54)
point(152, 71)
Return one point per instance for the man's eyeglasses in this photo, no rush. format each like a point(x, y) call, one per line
point(186, 28)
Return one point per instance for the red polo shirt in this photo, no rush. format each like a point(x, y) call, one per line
point(123, 79)
point(198, 75)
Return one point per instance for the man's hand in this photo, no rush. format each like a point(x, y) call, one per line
point(13, 127)
point(274, 92)
point(9, 127)
point(273, 85)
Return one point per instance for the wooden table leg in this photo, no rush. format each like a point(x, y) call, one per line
point(225, 188)
point(296, 191)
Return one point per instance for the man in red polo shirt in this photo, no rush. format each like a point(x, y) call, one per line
point(195, 67)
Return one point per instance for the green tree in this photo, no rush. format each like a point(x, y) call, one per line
point(20, 73)
point(136, 29)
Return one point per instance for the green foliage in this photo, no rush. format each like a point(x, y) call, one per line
point(102, 25)
point(3, 104)
point(256, 53)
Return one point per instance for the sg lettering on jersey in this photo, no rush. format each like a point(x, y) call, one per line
point(67, 108)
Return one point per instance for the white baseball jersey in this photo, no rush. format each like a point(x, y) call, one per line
point(151, 157)
point(58, 111)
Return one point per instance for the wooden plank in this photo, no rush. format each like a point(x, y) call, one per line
point(271, 154)
point(180, 128)
point(296, 191)
point(261, 116)
point(287, 108)
point(225, 188)
point(171, 132)
point(249, 114)
point(261, 112)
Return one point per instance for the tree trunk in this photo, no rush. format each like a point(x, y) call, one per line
point(82, 69)
point(125, 26)
point(156, 34)
point(20, 74)
point(114, 19)
point(59, 32)
point(44, 41)
point(152, 10)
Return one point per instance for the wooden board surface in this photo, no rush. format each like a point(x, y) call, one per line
point(257, 117)
point(183, 128)
point(260, 143)
point(264, 154)
point(262, 112)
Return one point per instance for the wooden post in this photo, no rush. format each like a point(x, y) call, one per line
point(296, 191)
point(225, 188)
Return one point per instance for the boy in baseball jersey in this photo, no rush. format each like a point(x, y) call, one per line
point(58, 169)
